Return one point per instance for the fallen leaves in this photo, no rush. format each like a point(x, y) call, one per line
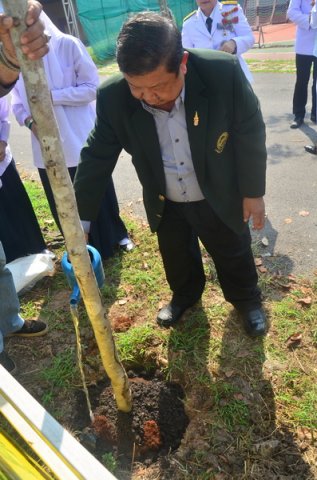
point(303, 213)
point(294, 340)
point(259, 264)
point(305, 301)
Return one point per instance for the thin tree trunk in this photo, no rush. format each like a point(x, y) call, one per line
point(42, 111)
point(165, 9)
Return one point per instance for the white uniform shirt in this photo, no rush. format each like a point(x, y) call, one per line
point(196, 35)
point(298, 12)
point(4, 134)
point(73, 80)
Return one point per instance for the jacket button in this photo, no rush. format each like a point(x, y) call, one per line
point(158, 215)
point(161, 197)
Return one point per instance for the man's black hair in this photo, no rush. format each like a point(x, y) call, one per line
point(146, 41)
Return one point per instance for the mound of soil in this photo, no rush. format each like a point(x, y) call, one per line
point(154, 427)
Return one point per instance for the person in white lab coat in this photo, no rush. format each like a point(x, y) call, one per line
point(219, 26)
point(73, 80)
point(299, 13)
point(34, 45)
point(313, 24)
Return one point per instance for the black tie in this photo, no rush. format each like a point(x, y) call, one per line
point(208, 24)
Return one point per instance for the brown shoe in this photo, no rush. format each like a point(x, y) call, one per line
point(31, 328)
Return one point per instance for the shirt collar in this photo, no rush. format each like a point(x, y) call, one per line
point(203, 16)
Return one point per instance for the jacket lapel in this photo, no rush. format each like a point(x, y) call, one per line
point(196, 107)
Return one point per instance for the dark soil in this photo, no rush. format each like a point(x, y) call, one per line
point(154, 427)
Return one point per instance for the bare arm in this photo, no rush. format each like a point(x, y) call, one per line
point(33, 41)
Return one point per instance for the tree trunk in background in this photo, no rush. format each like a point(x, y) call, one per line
point(164, 8)
point(42, 111)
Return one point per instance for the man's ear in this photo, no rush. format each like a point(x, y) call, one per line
point(183, 65)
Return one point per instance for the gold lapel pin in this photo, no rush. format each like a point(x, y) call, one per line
point(196, 120)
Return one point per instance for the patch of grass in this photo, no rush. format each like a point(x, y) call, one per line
point(110, 67)
point(39, 202)
point(63, 372)
point(271, 66)
point(234, 413)
point(286, 317)
point(109, 462)
point(300, 403)
point(140, 346)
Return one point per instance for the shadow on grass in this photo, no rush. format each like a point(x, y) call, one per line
point(257, 446)
point(233, 432)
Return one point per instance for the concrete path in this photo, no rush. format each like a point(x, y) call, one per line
point(291, 177)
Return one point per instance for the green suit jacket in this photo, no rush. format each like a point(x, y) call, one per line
point(226, 135)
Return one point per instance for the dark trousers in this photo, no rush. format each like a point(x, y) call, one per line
point(303, 71)
point(49, 192)
point(180, 226)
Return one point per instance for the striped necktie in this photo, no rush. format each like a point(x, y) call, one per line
point(209, 24)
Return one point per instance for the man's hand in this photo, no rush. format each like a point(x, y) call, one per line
point(2, 150)
point(255, 208)
point(34, 43)
point(229, 46)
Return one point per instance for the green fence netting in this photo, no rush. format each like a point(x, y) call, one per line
point(102, 19)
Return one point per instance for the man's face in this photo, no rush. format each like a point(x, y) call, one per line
point(158, 88)
point(206, 6)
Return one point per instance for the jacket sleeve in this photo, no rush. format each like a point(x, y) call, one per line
point(186, 37)
point(4, 120)
point(245, 38)
point(18, 108)
point(249, 138)
point(313, 17)
point(80, 88)
point(97, 161)
point(296, 15)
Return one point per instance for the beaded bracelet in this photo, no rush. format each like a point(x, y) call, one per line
point(6, 62)
point(28, 123)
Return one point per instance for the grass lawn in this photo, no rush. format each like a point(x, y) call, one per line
point(110, 67)
point(252, 404)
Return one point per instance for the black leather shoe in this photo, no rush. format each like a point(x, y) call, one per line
point(170, 314)
point(313, 118)
point(297, 122)
point(311, 149)
point(255, 322)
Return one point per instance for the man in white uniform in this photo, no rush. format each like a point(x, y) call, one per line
point(299, 13)
point(219, 26)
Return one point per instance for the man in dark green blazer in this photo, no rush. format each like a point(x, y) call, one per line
point(194, 129)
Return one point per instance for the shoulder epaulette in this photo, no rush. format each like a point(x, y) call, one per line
point(229, 2)
point(189, 15)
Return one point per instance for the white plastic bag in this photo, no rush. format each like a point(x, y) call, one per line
point(26, 271)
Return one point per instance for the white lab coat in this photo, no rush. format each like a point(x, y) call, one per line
point(73, 80)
